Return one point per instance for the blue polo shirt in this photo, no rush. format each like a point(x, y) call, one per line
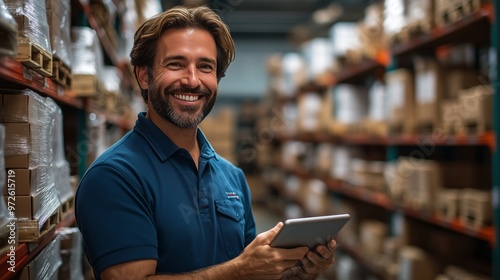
point(144, 198)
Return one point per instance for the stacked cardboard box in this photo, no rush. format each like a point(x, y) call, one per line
point(29, 122)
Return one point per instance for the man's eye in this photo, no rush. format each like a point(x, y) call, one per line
point(207, 67)
point(174, 65)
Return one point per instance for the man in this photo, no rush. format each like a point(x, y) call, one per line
point(160, 203)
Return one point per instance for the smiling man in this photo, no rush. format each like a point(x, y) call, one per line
point(161, 203)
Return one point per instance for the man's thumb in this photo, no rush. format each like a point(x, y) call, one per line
point(272, 232)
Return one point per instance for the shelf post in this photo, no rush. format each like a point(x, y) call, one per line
point(495, 77)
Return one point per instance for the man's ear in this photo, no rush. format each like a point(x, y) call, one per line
point(142, 77)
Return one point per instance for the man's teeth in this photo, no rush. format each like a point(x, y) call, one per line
point(187, 97)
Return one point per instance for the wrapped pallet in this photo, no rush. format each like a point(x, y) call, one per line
point(8, 30)
point(4, 213)
point(45, 265)
point(59, 20)
point(29, 122)
point(71, 254)
point(35, 49)
point(88, 62)
point(60, 166)
point(401, 101)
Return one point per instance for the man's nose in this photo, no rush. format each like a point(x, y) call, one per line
point(191, 77)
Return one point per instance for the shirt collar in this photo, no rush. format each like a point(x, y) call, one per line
point(161, 143)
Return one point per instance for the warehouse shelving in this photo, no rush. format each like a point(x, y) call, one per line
point(18, 74)
point(75, 110)
point(484, 139)
point(383, 201)
point(474, 28)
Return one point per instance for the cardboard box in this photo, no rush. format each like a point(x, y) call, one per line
point(43, 203)
point(475, 208)
point(401, 96)
point(429, 92)
point(17, 144)
point(25, 181)
point(476, 105)
point(55, 5)
point(22, 108)
point(447, 204)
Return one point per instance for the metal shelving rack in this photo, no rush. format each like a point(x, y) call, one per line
point(465, 30)
point(495, 76)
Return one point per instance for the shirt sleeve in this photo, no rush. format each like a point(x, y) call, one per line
point(115, 218)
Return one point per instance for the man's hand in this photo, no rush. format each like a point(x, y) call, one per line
point(313, 263)
point(319, 260)
point(261, 261)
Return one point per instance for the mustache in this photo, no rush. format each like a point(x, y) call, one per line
point(187, 89)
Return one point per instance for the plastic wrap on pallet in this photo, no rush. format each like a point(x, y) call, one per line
point(87, 53)
point(351, 104)
point(111, 77)
point(377, 104)
point(46, 264)
point(319, 57)
point(44, 204)
point(60, 165)
point(129, 25)
point(394, 16)
point(59, 19)
point(4, 213)
point(8, 27)
point(29, 126)
point(32, 22)
point(71, 254)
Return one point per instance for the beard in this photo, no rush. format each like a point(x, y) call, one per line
point(184, 116)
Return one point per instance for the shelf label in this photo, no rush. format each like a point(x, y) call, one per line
point(27, 73)
point(45, 84)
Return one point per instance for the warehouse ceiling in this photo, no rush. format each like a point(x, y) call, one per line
point(252, 18)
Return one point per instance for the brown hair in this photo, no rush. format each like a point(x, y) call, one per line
point(147, 35)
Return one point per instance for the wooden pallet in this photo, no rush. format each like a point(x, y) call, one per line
point(86, 85)
point(4, 239)
point(61, 73)
point(453, 10)
point(31, 231)
point(67, 207)
point(416, 28)
point(35, 57)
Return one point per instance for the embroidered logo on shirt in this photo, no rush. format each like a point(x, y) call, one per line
point(232, 195)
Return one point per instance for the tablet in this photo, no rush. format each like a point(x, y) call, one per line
point(309, 232)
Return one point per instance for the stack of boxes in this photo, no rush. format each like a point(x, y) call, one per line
point(34, 150)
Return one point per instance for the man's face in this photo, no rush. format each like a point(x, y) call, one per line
point(183, 81)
